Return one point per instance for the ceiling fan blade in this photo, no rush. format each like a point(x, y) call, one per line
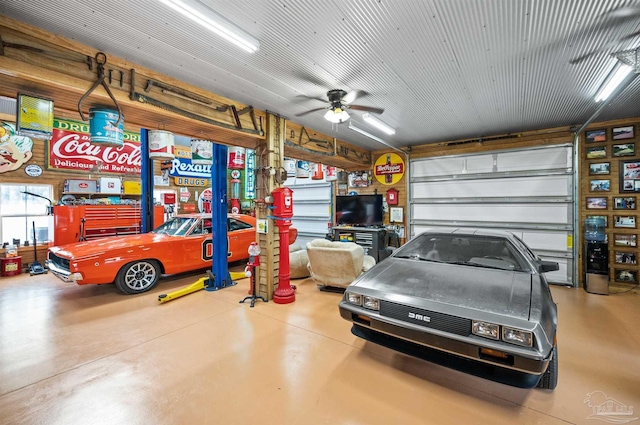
point(305, 97)
point(624, 12)
point(628, 36)
point(367, 109)
point(353, 95)
point(585, 56)
point(603, 48)
point(309, 111)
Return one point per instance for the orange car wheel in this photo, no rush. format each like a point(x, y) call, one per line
point(138, 276)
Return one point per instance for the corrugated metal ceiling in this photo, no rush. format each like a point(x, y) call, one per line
point(441, 69)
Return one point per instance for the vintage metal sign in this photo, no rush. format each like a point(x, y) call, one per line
point(389, 168)
point(70, 149)
point(182, 166)
point(189, 181)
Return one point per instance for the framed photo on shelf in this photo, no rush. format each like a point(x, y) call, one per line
point(620, 133)
point(596, 152)
point(628, 276)
point(600, 185)
point(623, 257)
point(627, 221)
point(624, 203)
point(630, 176)
point(599, 168)
point(628, 240)
point(627, 149)
point(596, 203)
point(596, 135)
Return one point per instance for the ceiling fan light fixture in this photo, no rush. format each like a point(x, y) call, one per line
point(215, 23)
point(617, 75)
point(379, 124)
point(336, 115)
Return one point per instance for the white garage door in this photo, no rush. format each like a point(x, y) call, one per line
point(312, 212)
point(528, 192)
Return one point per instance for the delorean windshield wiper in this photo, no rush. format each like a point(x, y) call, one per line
point(417, 257)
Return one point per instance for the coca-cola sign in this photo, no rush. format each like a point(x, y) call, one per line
point(70, 149)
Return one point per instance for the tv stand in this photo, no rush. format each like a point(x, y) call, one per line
point(372, 239)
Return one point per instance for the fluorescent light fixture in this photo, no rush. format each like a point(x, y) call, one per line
point(364, 133)
point(214, 23)
point(380, 125)
point(377, 139)
point(616, 76)
point(336, 115)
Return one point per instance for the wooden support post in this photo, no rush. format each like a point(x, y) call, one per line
point(269, 156)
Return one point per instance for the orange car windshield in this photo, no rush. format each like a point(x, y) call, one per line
point(177, 226)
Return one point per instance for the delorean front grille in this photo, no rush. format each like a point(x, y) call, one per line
point(429, 319)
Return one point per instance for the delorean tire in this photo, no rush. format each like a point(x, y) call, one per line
point(549, 379)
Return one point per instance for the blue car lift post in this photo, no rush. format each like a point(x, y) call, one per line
point(218, 277)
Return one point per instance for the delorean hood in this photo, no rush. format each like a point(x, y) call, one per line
point(502, 292)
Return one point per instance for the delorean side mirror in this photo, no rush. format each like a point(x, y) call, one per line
point(547, 266)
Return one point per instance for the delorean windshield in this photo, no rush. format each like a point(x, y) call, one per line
point(471, 250)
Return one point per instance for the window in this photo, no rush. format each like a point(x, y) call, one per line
point(19, 212)
point(233, 225)
point(202, 228)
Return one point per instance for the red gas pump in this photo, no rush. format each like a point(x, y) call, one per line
point(283, 211)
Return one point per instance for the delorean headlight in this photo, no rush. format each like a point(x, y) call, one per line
point(354, 298)
point(371, 303)
point(517, 336)
point(485, 329)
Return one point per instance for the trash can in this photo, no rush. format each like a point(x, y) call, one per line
point(10, 266)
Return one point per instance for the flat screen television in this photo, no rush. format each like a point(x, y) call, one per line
point(359, 210)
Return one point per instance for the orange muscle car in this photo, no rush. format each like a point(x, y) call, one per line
point(135, 262)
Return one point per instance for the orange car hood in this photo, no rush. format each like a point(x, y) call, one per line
point(109, 244)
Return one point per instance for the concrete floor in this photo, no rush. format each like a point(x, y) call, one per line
point(88, 355)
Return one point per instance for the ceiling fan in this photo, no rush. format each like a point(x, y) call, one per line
point(611, 18)
point(339, 100)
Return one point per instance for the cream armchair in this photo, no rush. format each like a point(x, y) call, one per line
point(298, 260)
point(336, 264)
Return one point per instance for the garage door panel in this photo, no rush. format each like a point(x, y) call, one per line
point(311, 210)
point(308, 191)
point(535, 159)
point(547, 186)
point(452, 166)
point(546, 241)
point(493, 213)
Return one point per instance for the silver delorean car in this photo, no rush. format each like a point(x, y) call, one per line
point(476, 294)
